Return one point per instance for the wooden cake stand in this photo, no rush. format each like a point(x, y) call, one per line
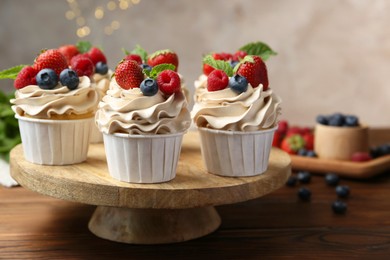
point(175, 211)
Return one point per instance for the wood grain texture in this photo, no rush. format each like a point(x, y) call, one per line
point(90, 183)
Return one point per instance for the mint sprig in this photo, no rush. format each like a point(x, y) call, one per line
point(141, 52)
point(258, 49)
point(157, 69)
point(83, 46)
point(9, 129)
point(11, 73)
point(219, 65)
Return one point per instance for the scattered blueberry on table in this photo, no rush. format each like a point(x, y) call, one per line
point(332, 179)
point(339, 207)
point(342, 191)
point(304, 176)
point(304, 194)
point(292, 181)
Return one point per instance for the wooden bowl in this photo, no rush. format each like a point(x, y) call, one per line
point(340, 143)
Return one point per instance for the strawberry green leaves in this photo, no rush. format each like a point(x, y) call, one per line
point(219, 65)
point(83, 46)
point(259, 49)
point(11, 73)
point(140, 51)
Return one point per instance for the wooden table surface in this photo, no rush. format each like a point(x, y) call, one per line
point(278, 225)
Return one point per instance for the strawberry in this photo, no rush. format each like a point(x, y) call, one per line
point(82, 65)
point(278, 137)
point(69, 51)
point(128, 74)
point(168, 82)
point(25, 77)
point(163, 56)
point(361, 157)
point(309, 140)
point(217, 80)
point(96, 55)
point(134, 57)
point(239, 55)
point(292, 144)
point(254, 70)
point(207, 69)
point(222, 56)
point(282, 127)
point(51, 59)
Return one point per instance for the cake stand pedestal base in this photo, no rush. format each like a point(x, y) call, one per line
point(153, 226)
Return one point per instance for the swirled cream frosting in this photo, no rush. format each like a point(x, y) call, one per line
point(129, 111)
point(57, 103)
point(251, 110)
point(102, 82)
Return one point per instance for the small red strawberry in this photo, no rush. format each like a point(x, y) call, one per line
point(282, 127)
point(82, 65)
point(168, 82)
point(217, 80)
point(239, 55)
point(51, 59)
point(361, 157)
point(163, 56)
point(278, 138)
point(25, 77)
point(128, 74)
point(134, 57)
point(292, 144)
point(309, 140)
point(96, 55)
point(254, 70)
point(69, 51)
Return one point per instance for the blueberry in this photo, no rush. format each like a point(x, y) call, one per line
point(302, 152)
point(233, 63)
point(332, 179)
point(47, 79)
point(351, 121)
point(304, 176)
point(311, 153)
point(323, 120)
point(149, 87)
point(336, 120)
point(339, 207)
point(380, 150)
point(292, 180)
point(342, 191)
point(101, 68)
point(69, 78)
point(304, 194)
point(146, 67)
point(238, 83)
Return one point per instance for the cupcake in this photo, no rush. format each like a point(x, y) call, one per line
point(236, 115)
point(99, 72)
point(143, 117)
point(55, 108)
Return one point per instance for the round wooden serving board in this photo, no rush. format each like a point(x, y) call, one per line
point(174, 211)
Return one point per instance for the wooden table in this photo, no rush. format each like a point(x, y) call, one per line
point(34, 226)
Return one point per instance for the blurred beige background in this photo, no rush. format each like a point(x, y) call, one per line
point(333, 56)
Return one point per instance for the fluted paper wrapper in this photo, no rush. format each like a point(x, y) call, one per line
point(55, 142)
point(236, 154)
point(142, 158)
point(96, 135)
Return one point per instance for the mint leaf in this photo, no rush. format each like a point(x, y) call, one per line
point(219, 65)
point(83, 46)
point(11, 73)
point(159, 68)
point(141, 52)
point(259, 49)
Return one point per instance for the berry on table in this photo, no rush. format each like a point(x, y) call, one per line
point(361, 157)
point(332, 179)
point(302, 152)
point(69, 78)
point(149, 87)
point(101, 68)
point(217, 80)
point(25, 77)
point(82, 65)
point(47, 79)
point(169, 82)
point(339, 207)
point(292, 181)
point(128, 74)
point(304, 176)
point(51, 59)
point(311, 153)
point(238, 84)
point(342, 191)
point(304, 194)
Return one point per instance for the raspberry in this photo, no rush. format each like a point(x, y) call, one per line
point(168, 82)
point(82, 65)
point(217, 80)
point(25, 77)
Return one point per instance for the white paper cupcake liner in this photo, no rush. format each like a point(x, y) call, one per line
point(55, 142)
point(236, 154)
point(142, 158)
point(96, 135)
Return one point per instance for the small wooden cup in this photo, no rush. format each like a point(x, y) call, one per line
point(340, 143)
